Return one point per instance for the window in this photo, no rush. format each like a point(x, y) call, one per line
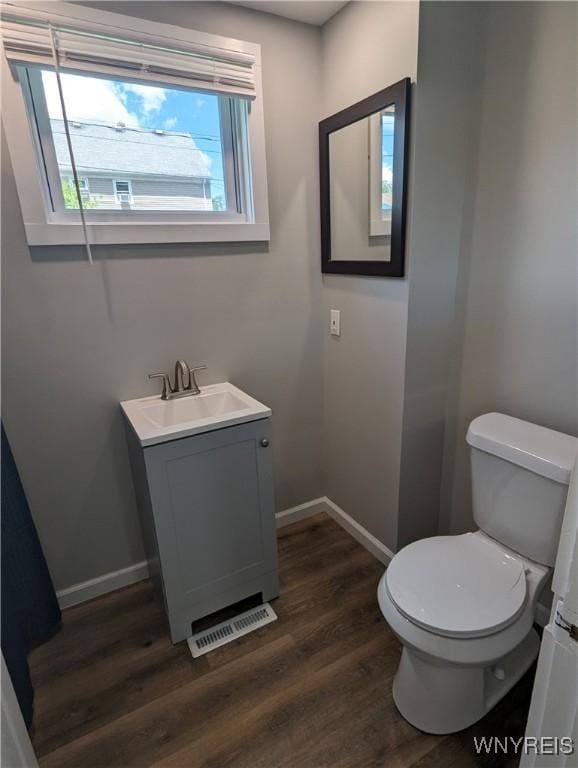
point(381, 128)
point(172, 148)
point(173, 145)
point(123, 192)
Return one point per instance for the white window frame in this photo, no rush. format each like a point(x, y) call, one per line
point(237, 177)
point(117, 193)
point(45, 221)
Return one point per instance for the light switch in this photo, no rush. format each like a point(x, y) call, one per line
point(335, 322)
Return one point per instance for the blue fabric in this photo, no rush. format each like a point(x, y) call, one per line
point(30, 612)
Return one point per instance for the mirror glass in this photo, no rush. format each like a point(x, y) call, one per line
point(361, 183)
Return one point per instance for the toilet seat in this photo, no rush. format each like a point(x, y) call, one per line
point(457, 586)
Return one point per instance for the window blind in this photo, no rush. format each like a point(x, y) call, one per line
point(26, 37)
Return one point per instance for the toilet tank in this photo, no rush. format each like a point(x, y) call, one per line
point(520, 478)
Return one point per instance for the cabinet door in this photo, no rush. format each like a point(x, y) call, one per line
point(212, 499)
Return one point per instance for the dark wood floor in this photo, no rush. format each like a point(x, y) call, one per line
point(312, 690)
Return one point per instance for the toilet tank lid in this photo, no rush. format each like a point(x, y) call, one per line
point(538, 449)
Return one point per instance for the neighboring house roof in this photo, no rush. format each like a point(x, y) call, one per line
point(107, 149)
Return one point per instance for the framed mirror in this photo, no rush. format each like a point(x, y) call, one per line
point(363, 153)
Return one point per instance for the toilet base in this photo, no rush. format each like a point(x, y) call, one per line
point(443, 698)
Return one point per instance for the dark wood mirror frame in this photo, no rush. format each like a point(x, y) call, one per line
point(399, 96)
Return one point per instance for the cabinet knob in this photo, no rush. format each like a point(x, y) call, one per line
point(264, 442)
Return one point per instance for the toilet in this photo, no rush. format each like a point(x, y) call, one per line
point(463, 606)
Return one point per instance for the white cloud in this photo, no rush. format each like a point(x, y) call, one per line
point(151, 96)
point(170, 123)
point(199, 102)
point(87, 98)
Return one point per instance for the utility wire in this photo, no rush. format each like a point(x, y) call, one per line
point(208, 137)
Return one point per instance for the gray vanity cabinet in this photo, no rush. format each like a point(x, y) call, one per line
point(207, 511)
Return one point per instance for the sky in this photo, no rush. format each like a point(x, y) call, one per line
point(142, 106)
point(387, 126)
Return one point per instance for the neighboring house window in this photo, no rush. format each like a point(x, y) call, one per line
point(179, 139)
point(123, 192)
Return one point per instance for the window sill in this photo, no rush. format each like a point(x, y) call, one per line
point(141, 234)
point(379, 227)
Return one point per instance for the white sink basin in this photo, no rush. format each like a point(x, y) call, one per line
point(219, 405)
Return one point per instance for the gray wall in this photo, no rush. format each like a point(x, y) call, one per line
point(487, 318)
point(517, 344)
point(365, 47)
point(486, 321)
point(77, 339)
point(446, 119)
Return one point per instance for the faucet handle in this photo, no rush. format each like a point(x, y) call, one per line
point(166, 383)
point(193, 385)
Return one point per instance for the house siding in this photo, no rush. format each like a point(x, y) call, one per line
point(99, 186)
point(165, 188)
point(152, 194)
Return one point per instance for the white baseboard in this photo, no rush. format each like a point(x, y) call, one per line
point(108, 582)
point(361, 534)
point(301, 512)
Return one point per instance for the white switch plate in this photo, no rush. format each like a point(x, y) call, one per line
point(335, 322)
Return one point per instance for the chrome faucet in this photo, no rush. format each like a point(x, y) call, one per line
point(185, 381)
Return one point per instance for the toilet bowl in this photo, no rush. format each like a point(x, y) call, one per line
point(463, 606)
